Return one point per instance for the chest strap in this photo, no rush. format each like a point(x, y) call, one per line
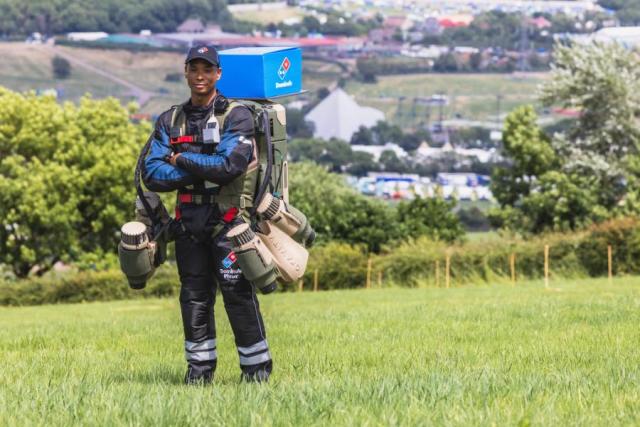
point(186, 139)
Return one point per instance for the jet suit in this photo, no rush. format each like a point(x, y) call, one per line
point(203, 253)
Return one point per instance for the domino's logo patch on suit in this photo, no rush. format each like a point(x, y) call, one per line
point(229, 260)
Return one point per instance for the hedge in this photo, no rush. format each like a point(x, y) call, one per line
point(86, 286)
point(410, 264)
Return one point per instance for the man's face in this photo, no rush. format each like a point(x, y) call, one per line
point(201, 76)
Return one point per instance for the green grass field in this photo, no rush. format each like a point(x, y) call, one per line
point(489, 355)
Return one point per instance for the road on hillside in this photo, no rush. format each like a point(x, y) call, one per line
point(141, 95)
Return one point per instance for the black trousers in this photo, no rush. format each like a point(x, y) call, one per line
point(205, 263)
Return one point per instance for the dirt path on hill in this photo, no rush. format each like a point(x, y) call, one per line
point(141, 95)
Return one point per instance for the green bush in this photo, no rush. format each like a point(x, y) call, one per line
point(86, 286)
point(414, 262)
point(339, 266)
point(624, 237)
point(61, 67)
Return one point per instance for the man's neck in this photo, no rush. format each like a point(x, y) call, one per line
point(203, 100)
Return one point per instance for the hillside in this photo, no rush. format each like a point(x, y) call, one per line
point(141, 76)
point(130, 74)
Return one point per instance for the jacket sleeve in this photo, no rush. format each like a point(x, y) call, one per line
point(157, 173)
point(233, 154)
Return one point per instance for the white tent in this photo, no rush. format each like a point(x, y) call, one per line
point(339, 116)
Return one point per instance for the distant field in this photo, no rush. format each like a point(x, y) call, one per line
point(271, 16)
point(485, 355)
point(471, 96)
point(26, 67)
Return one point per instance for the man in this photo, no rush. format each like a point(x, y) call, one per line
point(198, 149)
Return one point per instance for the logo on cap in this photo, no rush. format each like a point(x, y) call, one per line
point(203, 50)
point(284, 68)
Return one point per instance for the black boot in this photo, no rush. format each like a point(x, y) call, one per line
point(261, 376)
point(257, 373)
point(195, 376)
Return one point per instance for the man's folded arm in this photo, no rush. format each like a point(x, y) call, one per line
point(233, 154)
point(157, 173)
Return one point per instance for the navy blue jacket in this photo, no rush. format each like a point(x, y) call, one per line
point(199, 162)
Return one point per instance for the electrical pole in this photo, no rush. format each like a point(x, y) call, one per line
point(523, 61)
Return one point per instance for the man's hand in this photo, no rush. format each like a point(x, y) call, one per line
point(173, 158)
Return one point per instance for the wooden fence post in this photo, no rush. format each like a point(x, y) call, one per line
point(315, 281)
point(447, 271)
point(369, 273)
point(546, 266)
point(512, 266)
point(610, 263)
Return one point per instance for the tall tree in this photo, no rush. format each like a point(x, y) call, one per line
point(65, 178)
point(590, 170)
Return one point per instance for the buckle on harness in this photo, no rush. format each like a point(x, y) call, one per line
point(185, 198)
point(230, 214)
point(186, 139)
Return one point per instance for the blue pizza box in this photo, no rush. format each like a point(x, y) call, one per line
point(260, 72)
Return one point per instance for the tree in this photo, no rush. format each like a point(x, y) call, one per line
point(62, 16)
point(334, 154)
point(432, 217)
point(367, 70)
point(297, 126)
point(361, 164)
point(390, 162)
point(530, 153)
point(61, 67)
point(446, 63)
point(627, 11)
point(603, 83)
point(590, 170)
point(338, 212)
point(363, 136)
point(384, 132)
point(65, 178)
point(312, 24)
point(534, 193)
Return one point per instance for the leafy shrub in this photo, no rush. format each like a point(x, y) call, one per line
point(62, 192)
point(339, 266)
point(624, 237)
point(414, 262)
point(431, 217)
point(61, 67)
point(337, 212)
point(86, 286)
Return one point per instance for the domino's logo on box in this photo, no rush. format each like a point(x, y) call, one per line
point(282, 73)
point(284, 67)
point(261, 72)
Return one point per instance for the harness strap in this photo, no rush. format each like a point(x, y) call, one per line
point(201, 199)
point(185, 139)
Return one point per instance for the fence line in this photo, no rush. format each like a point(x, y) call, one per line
point(513, 272)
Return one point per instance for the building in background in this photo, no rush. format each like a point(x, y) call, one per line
point(339, 116)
